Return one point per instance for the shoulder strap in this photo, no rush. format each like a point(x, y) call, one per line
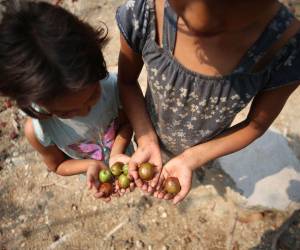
point(169, 28)
point(272, 51)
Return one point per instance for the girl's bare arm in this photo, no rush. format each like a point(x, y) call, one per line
point(265, 108)
point(129, 68)
point(123, 136)
point(55, 159)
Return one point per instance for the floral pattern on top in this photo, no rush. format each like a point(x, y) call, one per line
point(97, 150)
point(188, 108)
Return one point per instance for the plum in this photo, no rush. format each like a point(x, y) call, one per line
point(146, 171)
point(172, 185)
point(123, 181)
point(106, 188)
point(116, 168)
point(125, 169)
point(105, 175)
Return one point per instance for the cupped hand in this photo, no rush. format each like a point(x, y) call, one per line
point(177, 167)
point(146, 152)
point(93, 183)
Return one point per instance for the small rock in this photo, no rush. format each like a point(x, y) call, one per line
point(26, 232)
point(139, 244)
point(202, 220)
point(150, 247)
point(95, 208)
point(23, 244)
point(22, 218)
point(164, 215)
point(55, 237)
point(187, 240)
point(74, 207)
point(18, 161)
point(13, 135)
point(142, 227)
point(165, 247)
point(161, 209)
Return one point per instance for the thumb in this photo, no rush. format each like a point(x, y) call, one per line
point(182, 194)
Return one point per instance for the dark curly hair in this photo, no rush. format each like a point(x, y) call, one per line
point(46, 52)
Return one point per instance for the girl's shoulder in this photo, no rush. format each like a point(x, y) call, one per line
point(109, 86)
point(285, 69)
point(133, 19)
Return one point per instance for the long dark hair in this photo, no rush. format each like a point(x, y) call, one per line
point(47, 52)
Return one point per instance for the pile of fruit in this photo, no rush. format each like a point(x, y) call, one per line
point(119, 172)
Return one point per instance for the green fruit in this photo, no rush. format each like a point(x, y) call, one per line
point(105, 175)
point(116, 169)
point(125, 169)
point(106, 188)
point(146, 171)
point(172, 185)
point(123, 181)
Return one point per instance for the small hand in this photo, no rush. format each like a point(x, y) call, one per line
point(122, 191)
point(177, 167)
point(124, 159)
point(119, 158)
point(148, 152)
point(92, 179)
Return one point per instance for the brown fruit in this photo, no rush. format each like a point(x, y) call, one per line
point(106, 188)
point(146, 171)
point(172, 185)
point(116, 169)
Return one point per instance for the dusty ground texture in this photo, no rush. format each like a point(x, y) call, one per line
point(39, 210)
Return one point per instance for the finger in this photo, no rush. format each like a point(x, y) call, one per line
point(98, 195)
point(132, 168)
point(115, 194)
point(155, 179)
point(127, 190)
point(89, 184)
point(132, 186)
point(160, 182)
point(144, 187)
point(168, 196)
point(150, 189)
point(181, 195)
point(161, 195)
point(106, 200)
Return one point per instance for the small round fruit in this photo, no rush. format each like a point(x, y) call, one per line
point(106, 188)
point(146, 171)
point(105, 175)
point(125, 169)
point(123, 181)
point(116, 168)
point(172, 185)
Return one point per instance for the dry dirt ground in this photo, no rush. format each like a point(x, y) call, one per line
point(39, 210)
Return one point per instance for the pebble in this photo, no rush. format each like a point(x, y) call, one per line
point(165, 247)
point(139, 244)
point(22, 218)
point(164, 215)
point(18, 161)
point(74, 207)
